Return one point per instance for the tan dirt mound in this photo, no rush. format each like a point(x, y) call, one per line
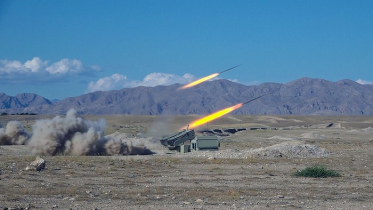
point(281, 138)
point(290, 150)
point(312, 136)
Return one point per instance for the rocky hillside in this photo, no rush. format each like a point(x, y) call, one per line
point(22, 102)
point(304, 96)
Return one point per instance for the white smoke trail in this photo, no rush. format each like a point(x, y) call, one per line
point(13, 134)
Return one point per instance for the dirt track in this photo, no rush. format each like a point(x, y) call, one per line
point(239, 176)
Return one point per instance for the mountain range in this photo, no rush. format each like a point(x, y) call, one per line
point(304, 96)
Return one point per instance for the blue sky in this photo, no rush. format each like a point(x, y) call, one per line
point(60, 49)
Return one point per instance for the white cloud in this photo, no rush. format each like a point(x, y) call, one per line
point(65, 66)
point(364, 82)
point(37, 70)
point(118, 81)
point(35, 64)
point(115, 81)
point(155, 79)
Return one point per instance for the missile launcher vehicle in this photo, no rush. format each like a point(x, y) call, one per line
point(177, 142)
point(174, 141)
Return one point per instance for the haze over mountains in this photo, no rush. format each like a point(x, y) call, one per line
point(304, 96)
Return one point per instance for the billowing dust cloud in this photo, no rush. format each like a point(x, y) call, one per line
point(136, 145)
point(13, 134)
point(73, 135)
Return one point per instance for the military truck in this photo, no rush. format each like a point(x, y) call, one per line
point(177, 141)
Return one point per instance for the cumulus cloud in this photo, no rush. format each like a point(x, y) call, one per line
point(37, 70)
point(364, 82)
point(155, 79)
point(115, 81)
point(66, 66)
point(118, 81)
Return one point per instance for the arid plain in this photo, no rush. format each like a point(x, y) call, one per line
point(252, 170)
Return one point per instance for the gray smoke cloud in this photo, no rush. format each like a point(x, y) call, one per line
point(163, 126)
point(73, 135)
point(136, 145)
point(13, 134)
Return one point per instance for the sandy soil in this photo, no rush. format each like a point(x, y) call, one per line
point(252, 170)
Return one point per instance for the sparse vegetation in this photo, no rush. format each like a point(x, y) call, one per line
point(317, 172)
point(208, 181)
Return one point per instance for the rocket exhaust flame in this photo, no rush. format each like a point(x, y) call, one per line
point(199, 81)
point(213, 116)
point(204, 79)
point(217, 114)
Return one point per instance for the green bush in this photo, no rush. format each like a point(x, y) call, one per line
point(317, 172)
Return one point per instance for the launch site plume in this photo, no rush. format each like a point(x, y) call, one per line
point(73, 135)
point(13, 134)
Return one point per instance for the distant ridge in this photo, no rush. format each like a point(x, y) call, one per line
point(304, 96)
point(22, 102)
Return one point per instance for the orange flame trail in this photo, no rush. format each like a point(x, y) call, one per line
point(199, 81)
point(204, 79)
point(213, 116)
point(218, 114)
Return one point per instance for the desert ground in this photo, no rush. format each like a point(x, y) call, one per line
point(253, 169)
